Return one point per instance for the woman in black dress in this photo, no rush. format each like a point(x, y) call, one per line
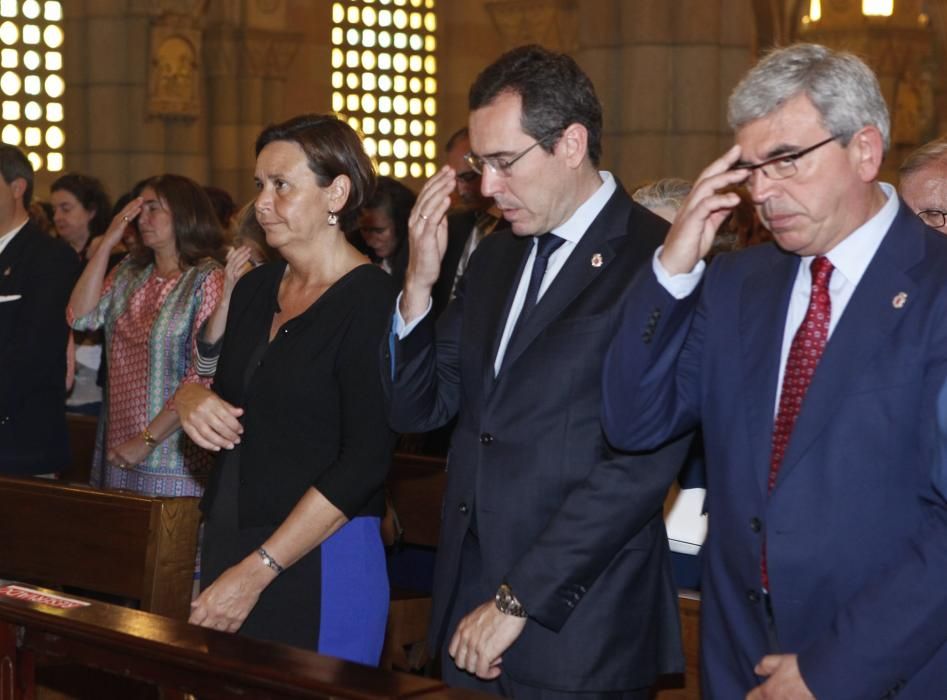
point(292, 550)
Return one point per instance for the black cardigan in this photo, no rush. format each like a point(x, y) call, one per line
point(314, 411)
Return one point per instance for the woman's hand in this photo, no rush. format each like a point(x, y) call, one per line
point(129, 453)
point(209, 421)
point(238, 264)
point(113, 235)
point(225, 604)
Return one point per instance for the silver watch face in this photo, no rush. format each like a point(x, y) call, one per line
point(507, 603)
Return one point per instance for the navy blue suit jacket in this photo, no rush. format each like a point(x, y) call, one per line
point(572, 525)
point(856, 526)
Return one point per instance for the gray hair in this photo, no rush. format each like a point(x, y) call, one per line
point(840, 85)
point(929, 153)
point(667, 192)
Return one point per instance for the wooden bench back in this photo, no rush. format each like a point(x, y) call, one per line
point(416, 485)
point(177, 656)
point(116, 543)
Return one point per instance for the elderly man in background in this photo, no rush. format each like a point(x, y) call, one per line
point(924, 183)
point(813, 365)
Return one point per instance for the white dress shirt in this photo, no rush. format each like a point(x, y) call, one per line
point(9, 235)
point(571, 232)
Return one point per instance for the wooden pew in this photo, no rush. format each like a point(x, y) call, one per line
point(117, 543)
point(81, 447)
point(416, 486)
point(179, 657)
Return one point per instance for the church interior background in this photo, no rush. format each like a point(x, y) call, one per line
point(124, 89)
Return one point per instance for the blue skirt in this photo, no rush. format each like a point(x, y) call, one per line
point(355, 593)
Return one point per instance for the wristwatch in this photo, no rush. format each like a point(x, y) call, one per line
point(507, 603)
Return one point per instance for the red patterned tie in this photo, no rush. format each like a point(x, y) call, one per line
point(804, 354)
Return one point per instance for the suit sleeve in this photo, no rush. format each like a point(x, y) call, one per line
point(421, 373)
point(35, 356)
point(650, 385)
point(619, 505)
point(651, 376)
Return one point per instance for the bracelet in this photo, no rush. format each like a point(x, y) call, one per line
point(149, 438)
point(269, 561)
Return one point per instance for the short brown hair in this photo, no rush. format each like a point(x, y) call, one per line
point(197, 231)
point(332, 148)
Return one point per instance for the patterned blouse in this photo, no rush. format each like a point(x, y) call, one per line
point(151, 326)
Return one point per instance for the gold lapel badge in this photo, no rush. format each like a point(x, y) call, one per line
point(899, 300)
point(597, 260)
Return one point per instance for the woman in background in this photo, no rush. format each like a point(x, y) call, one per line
point(151, 306)
point(81, 210)
point(384, 227)
point(250, 250)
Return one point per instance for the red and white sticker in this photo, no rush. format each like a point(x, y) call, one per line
point(31, 596)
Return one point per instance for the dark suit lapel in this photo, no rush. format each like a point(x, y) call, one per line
point(868, 320)
point(506, 270)
point(577, 273)
point(11, 255)
point(764, 301)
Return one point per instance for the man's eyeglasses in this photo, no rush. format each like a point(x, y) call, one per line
point(498, 166)
point(935, 218)
point(781, 167)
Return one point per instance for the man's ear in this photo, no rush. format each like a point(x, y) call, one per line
point(18, 187)
point(573, 144)
point(868, 151)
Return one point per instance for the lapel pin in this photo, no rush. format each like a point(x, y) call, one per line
point(597, 260)
point(899, 300)
point(6, 273)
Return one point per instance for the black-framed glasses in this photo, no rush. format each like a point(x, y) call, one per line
point(935, 218)
point(498, 166)
point(781, 167)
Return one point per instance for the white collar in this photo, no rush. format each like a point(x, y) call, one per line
point(577, 224)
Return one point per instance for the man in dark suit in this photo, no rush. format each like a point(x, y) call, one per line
point(36, 276)
point(552, 574)
point(813, 364)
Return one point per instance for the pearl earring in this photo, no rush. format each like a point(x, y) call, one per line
point(333, 218)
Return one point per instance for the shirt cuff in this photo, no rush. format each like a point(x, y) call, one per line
point(402, 329)
point(678, 286)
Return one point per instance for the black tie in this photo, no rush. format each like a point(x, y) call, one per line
point(546, 245)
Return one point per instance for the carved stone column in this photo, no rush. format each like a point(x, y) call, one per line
point(175, 84)
point(247, 58)
point(552, 23)
point(663, 71)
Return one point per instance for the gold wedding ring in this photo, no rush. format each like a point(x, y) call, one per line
point(125, 219)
